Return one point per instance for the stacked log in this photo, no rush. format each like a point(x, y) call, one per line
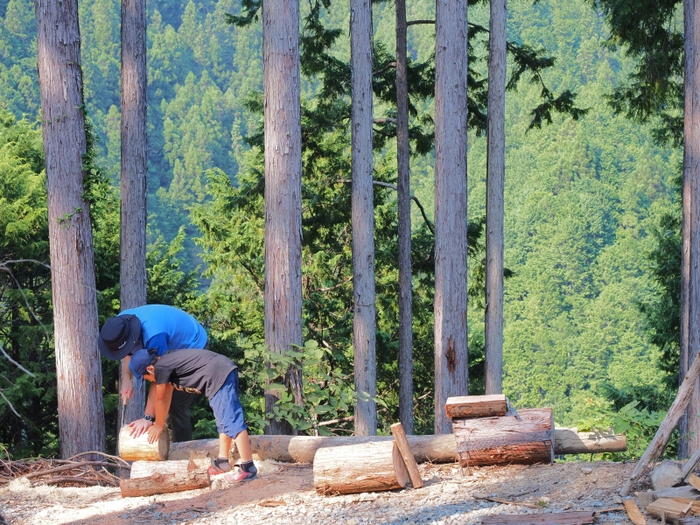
point(525, 437)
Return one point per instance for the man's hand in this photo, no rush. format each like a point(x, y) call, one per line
point(140, 426)
point(127, 391)
point(154, 432)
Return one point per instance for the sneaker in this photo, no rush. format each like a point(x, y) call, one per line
point(244, 472)
point(218, 467)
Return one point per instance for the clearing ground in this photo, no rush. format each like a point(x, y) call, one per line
point(283, 493)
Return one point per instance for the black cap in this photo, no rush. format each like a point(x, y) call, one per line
point(120, 336)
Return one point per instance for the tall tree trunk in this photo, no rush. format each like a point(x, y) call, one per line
point(78, 366)
point(690, 276)
point(493, 333)
point(404, 218)
point(451, 360)
point(282, 101)
point(364, 322)
point(133, 176)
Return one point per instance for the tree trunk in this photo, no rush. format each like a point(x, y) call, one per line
point(351, 469)
point(78, 366)
point(451, 359)
point(495, 178)
point(283, 321)
point(133, 278)
point(690, 278)
point(364, 309)
point(404, 227)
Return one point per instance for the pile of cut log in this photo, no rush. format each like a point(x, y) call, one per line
point(150, 473)
point(488, 432)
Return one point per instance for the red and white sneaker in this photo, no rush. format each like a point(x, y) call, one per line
point(219, 467)
point(245, 472)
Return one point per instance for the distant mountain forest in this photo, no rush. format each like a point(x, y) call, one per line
point(591, 215)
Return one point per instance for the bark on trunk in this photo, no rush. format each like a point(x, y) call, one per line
point(403, 165)
point(351, 469)
point(78, 365)
point(690, 278)
point(283, 321)
point(132, 241)
point(450, 303)
point(364, 308)
point(495, 181)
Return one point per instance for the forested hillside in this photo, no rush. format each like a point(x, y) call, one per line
point(583, 199)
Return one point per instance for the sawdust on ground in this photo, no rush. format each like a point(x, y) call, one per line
point(562, 486)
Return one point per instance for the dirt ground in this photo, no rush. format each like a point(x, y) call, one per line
point(559, 487)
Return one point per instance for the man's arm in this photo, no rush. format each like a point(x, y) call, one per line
point(127, 390)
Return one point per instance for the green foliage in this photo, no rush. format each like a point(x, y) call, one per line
point(638, 424)
point(328, 393)
point(28, 423)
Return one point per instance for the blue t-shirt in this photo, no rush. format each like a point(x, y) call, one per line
point(165, 327)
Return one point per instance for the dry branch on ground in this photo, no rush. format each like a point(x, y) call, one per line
point(86, 469)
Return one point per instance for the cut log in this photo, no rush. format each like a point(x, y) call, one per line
point(476, 406)
point(525, 439)
point(634, 513)
point(163, 483)
point(134, 449)
point(440, 448)
point(573, 441)
point(349, 469)
point(674, 414)
point(407, 455)
point(578, 517)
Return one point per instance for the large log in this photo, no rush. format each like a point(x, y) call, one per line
point(160, 483)
point(441, 448)
point(135, 449)
point(524, 439)
point(367, 467)
point(476, 406)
